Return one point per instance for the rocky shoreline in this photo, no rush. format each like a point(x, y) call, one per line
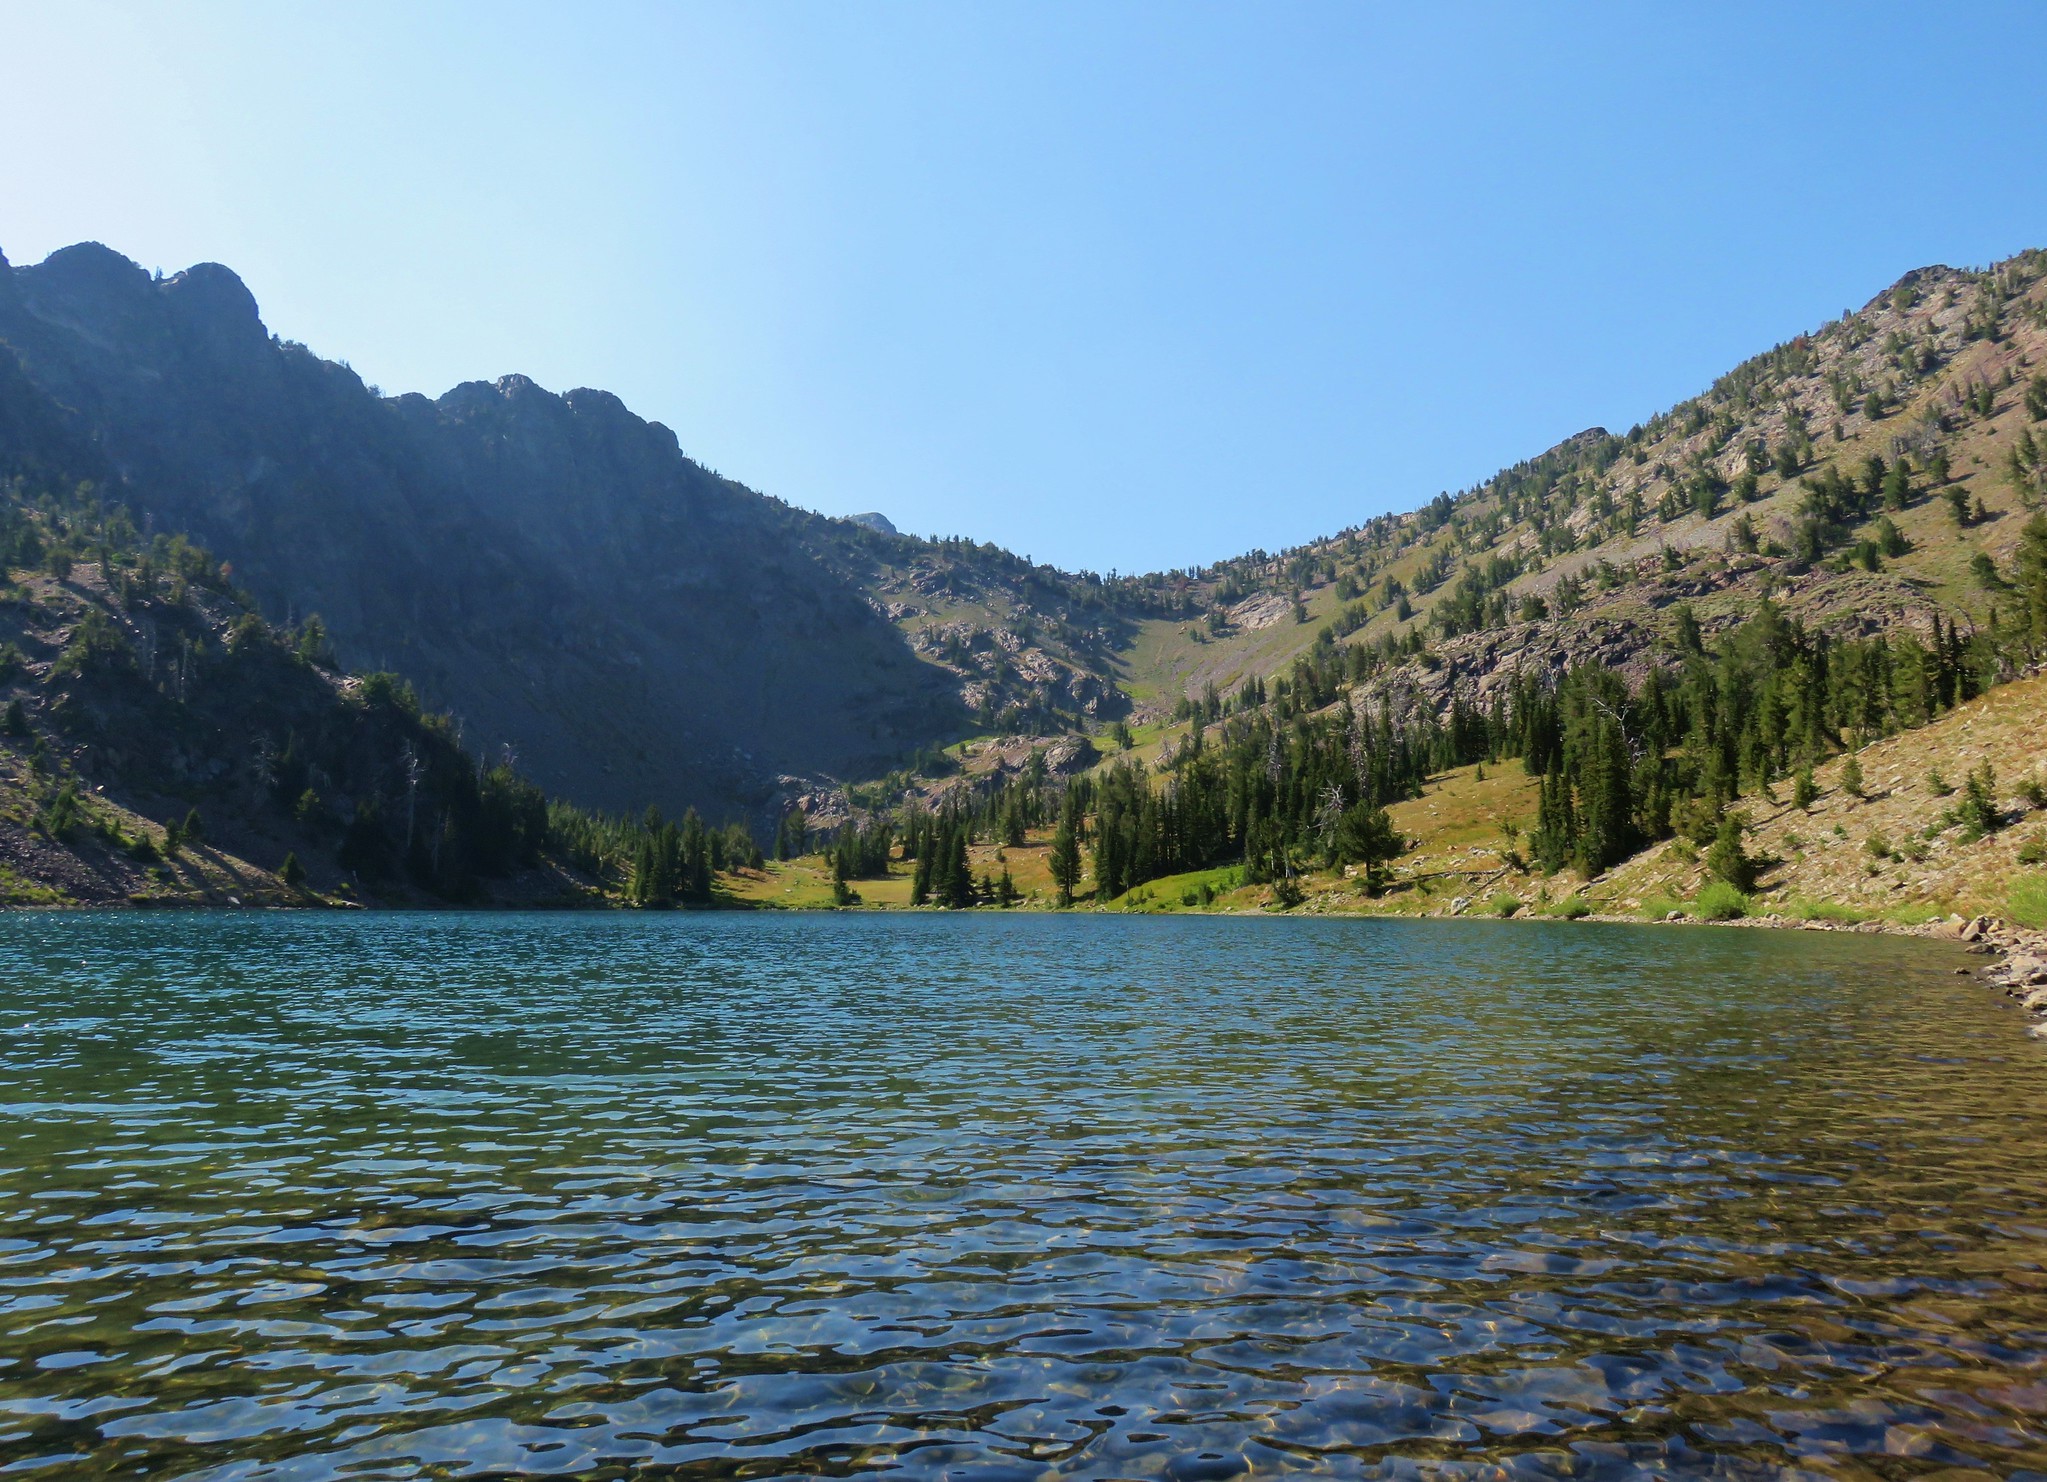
point(2021, 970)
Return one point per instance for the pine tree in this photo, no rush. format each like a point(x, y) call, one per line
point(2032, 583)
point(1727, 859)
point(1065, 861)
point(1978, 812)
point(1364, 835)
point(1605, 827)
point(959, 877)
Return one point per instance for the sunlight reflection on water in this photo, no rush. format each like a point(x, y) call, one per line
point(292, 1196)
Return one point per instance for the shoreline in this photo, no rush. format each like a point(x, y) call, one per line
point(2018, 968)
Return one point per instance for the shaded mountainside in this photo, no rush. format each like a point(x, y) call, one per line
point(550, 568)
point(161, 744)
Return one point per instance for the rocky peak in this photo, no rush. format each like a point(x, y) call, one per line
point(215, 302)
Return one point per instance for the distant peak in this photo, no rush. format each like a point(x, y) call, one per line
point(1590, 437)
point(873, 520)
point(215, 293)
point(93, 262)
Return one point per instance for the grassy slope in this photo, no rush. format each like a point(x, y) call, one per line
point(1823, 862)
point(1467, 824)
point(806, 884)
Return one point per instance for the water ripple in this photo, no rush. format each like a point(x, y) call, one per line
point(307, 1197)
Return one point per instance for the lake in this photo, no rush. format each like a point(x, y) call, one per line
point(298, 1196)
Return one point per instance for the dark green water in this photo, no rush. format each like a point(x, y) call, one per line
point(299, 1196)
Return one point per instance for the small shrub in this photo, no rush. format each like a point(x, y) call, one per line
point(1505, 905)
point(1938, 784)
point(1851, 776)
point(1575, 908)
point(63, 813)
point(96, 645)
point(291, 872)
point(1727, 859)
point(1720, 901)
point(2034, 850)
point(249, 634)
point(1978, 813)
point(1287, 894)
point(1878, 845)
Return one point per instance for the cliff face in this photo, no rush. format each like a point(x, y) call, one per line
point(551, 568)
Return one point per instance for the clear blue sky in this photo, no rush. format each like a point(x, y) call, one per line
point(1119, 285)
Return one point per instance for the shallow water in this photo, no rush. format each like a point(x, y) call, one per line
point(304, 1196)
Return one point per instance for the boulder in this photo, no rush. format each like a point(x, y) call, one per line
point(1071, 754)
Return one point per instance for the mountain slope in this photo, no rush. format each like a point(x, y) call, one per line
point(550, 567)
point(554, 570)
point(161, 744)
point(1763, 483)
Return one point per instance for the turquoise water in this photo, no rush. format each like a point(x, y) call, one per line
point(297, 1196)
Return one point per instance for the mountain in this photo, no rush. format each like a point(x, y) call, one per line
point(1862, 474)
point(550, 568)
point(555, 572)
